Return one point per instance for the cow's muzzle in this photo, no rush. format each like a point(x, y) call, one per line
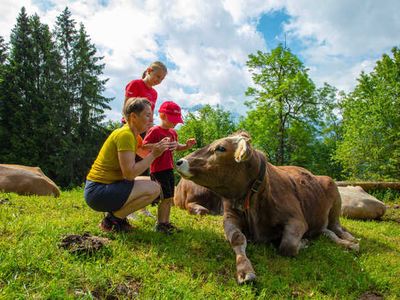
point(182, 166)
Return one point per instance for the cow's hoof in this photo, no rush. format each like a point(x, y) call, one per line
point(199, 211)
point(304, 243)
point(355, 247)
point(288, 251)
point(202, 212)
point(246, 278)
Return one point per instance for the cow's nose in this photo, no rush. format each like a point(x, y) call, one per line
point(182, 166)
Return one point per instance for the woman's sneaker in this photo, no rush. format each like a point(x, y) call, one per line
point(166, 228)
point(111, 223)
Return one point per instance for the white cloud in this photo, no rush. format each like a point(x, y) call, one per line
point(243, 10)
point(341, 38)
point(9, 10)
point(206, 43)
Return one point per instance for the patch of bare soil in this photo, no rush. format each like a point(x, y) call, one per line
point(371, 296)
point(128, 289)
point(392, 213)
point(5, 201)
point(85, 243)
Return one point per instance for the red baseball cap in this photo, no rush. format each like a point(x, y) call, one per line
point(172, 111)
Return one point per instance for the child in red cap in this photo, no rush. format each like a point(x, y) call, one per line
point(161, 170)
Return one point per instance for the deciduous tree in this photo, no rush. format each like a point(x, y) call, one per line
point(371, 123)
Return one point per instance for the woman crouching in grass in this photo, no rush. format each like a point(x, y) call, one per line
point(113, 184)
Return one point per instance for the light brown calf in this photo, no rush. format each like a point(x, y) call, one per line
point(26, 180)
point(197, 200)
point(265, 203)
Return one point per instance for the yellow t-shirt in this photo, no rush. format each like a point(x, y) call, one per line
point(105, 168)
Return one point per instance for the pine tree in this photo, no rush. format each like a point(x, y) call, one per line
point(3, 113)
point(18, 87)
point(65, 37)
point(3, 51)
point(51, 108)
point(84, 105)
point(47, 102)
point(30, 90)
point(90, 103)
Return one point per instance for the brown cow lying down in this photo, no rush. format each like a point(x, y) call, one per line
point(196, 199)
point(25, 180)
point(265, 203)
point(358, 204)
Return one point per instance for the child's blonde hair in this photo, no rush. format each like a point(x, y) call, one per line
point(157, 65)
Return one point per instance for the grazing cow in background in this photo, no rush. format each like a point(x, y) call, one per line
point(25, 180)
point(265, 203)
point(197, 200)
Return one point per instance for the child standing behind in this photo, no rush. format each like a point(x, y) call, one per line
point(144, 87)
point(152, 76)
point(161, 170)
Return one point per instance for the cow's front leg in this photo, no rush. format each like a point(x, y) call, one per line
point(197, 209)
point(245, 271)
point(291, 237)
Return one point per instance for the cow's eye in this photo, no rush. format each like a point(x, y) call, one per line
point(220, 149)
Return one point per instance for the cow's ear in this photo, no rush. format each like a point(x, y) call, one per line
point(243, 150)
point(244, 135)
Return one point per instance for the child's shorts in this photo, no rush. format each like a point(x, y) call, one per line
point(166, 180)
point(107, 197)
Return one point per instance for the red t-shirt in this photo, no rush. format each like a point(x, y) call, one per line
point(137, 88)
point(164, 161)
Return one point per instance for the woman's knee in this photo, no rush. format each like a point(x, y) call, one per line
point(154, 189)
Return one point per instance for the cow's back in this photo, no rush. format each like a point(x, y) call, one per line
point(314, 195)
point(188, 193)
point(25, 180)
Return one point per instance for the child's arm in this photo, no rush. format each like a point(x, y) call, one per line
point(189, 144)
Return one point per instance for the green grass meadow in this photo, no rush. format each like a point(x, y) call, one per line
point(195, 264)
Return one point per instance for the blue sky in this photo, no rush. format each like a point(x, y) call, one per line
point(205, 43)
point(271, 26)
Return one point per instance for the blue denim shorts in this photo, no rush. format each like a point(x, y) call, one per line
point(107, 197)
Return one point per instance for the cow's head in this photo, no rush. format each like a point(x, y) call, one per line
point(226, 166)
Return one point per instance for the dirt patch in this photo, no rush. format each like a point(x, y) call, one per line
point(85, 243)
point(128, 289)
point(392, 213)
point(371, 296)
point(5, 201)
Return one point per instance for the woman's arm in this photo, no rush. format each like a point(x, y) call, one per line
point(131, 169)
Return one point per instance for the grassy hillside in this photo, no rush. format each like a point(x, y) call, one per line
point(195, 264)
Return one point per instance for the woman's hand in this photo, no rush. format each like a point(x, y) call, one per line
point(160, 147)
point(173, 145)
